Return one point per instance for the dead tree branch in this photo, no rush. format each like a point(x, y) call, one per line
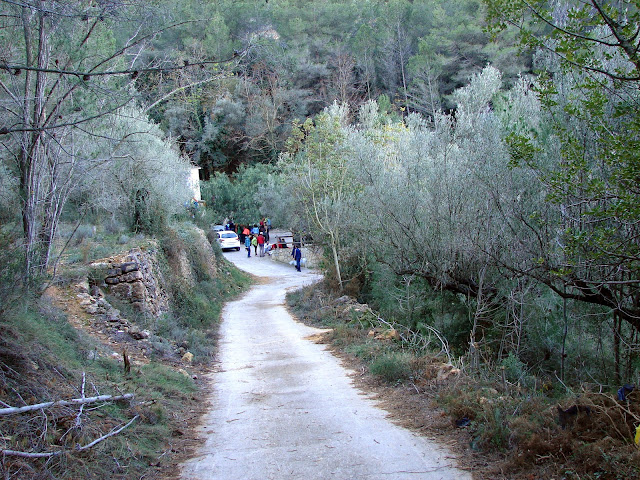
point(65, 403)
point(15, 453)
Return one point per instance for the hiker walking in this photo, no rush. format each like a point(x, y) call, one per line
point(254, 242)
point(296, 253)
point(247, 244)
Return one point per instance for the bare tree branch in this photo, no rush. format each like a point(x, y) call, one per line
point(176, 90)
point(65, 403)
point(15, 453)
point(86, 75)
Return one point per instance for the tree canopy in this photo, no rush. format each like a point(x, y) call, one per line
point(489, 148)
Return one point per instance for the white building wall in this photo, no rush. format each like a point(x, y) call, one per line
point(194, 183)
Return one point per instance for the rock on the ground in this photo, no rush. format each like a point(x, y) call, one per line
point(139, 334)
point(187, 357)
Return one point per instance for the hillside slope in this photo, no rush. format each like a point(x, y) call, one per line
point(139, 324)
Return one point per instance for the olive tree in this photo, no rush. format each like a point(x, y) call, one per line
point(322, 186)
point(590, 94)
point(135, 174)
point(441, 202)
point(427, 187)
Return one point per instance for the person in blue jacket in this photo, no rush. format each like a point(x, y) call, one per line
point(296, 253)
point(247, 244)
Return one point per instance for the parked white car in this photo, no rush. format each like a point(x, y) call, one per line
point(228, 240)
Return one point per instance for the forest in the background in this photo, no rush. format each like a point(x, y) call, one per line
point(300, 57)
point(470, 170)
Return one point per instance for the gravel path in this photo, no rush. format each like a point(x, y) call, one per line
point(282, 407)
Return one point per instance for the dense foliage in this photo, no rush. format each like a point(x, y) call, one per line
point(470, 166)
point(304, 56)
point(448, 203)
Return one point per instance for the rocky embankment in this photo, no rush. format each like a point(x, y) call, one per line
point(123, 297)
point(132, 278)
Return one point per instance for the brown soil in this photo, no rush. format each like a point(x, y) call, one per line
point(184, 440)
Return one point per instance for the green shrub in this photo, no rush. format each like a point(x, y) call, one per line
point(514, 369)
point(344, 335)
point(367, 351)
point(114, 227)
point(84, 232)
point(11, 264)
point(393, 367)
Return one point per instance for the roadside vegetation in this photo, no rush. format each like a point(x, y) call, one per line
point(507, 420)
point(469, 169)
point(43, 358)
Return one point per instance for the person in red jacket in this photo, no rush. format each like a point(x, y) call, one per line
point(261, 244)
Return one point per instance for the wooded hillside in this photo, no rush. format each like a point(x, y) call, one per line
point(470, 168)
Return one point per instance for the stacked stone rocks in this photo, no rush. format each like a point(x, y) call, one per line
point(134, 280)
point(94, 303)
point(129, 277)
point(125, 281)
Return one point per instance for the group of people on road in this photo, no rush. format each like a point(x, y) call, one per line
point(256, 236)
point(264, 227)
point(258, 243)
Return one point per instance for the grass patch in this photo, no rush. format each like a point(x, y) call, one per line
point(393, 367)
point(42, 358)
point(367, 350)
point(312, 307)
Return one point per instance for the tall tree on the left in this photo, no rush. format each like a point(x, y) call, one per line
point(65, 66)
point(53, 85)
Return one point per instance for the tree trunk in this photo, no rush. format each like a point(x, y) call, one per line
point(631, 350)
point(617, 321)
point(334, 250)
point(565, 331)
point(32, 152)
point(402, 66)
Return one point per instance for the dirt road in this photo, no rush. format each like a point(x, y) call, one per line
point(282, 407)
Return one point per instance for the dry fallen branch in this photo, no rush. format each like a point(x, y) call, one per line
point(65, 403)
point(15, 453)
point(110, 434)
point(78, 421)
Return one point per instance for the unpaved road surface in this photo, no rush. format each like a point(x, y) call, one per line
point(282, 407)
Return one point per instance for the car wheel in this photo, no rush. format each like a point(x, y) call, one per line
point(237, 249)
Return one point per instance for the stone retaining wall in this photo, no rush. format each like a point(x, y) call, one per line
point(313, 256)
point(132, 277)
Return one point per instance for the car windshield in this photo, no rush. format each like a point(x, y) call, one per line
point(228, 235)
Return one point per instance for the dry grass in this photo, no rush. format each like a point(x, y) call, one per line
point(509, 432)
